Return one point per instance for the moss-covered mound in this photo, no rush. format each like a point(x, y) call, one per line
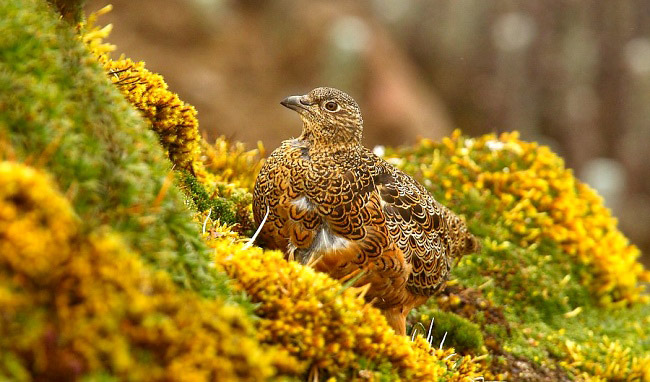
point(60, 113)
point(317, 319)
point(80, 304)
point(105, 278)
point(556, 285)
point(116, 220)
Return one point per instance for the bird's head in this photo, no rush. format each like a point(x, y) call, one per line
point(330, 117)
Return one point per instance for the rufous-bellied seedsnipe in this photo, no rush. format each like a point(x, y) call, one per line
point(332, 203)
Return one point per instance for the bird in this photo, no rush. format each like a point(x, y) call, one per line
point(327, 201)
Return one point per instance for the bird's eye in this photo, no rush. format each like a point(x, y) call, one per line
point(331, 106)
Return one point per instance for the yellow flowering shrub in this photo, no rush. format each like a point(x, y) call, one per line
point(537, 198)
point(61, 114)
point(93, 35)
point(231, 162)
point(75, 304)
point(172, 119)
point(318, 320)
point(619, 363)
point(216, 188)
point(559, 275)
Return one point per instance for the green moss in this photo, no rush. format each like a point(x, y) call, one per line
point(62, 114)
point(222, 209)
point(383, 372)
point(458, 332)
point(536, 286)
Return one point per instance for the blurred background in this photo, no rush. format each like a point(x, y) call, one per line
point(574, 75)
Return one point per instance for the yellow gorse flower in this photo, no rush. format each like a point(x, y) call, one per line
point(225, 170)
point(620, 364)
point(75, 303)
point(93, 36)
point(316, 319)
point(537, 198)
point(231, 163)
point(172, 119)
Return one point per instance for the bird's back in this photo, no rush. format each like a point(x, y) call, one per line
point(429, 234)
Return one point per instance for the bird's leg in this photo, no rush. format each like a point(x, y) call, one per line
point(396, 318)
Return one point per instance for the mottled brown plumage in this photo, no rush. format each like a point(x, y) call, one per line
point(334, 204)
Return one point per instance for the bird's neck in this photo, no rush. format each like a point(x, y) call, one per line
point(331, 139)
point(330, 144)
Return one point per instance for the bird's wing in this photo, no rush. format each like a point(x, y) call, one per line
point(429, 234)
point(353, 235)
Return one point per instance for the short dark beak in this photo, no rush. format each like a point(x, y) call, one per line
point(294, 103)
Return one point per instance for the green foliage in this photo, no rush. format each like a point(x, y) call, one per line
point(60, 113)
point(458, 332)
point(222, 208)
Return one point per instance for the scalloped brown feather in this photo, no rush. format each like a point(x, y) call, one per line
point(341, 208)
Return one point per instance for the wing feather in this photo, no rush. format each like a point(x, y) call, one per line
point(429, 234)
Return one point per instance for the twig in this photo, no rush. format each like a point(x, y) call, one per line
point(259, 229)
point(205, 222)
